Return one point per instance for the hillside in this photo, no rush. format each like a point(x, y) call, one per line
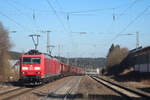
point(82, 62)
point(14, 55)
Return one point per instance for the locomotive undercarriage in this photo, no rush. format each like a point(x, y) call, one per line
point(36, 79)
point(31, 80)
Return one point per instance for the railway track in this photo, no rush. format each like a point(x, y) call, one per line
point(9, 91)
point(7, 95)
point(126, 92)
point(64, 90)
point(15, 92)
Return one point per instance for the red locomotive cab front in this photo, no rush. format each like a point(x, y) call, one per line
point(31, 65)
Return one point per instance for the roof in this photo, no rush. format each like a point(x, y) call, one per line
point(136, 50)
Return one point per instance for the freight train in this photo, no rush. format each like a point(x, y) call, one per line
point(37, 67)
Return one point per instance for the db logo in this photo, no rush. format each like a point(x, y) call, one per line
point(31, 67)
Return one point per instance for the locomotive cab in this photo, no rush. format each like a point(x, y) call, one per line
point(31, 64)
point(30, 68)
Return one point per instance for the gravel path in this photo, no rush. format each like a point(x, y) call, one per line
point(89, 89)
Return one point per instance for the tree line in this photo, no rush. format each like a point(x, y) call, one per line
point(115, 56)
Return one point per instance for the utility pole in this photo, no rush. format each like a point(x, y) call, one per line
point(137, 39)
point(50, 50)
point(48, 44)
point(76, 61)
point(68, 58)
point(48, 39)
point(34, 41)
point(59, 50)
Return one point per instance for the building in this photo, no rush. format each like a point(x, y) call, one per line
point(140, 59)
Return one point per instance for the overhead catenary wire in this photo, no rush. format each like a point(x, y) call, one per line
point(20, 4)
point(68, 25)
point(18, 10)
point(61, 9)
point(96, 10)
point(68, 14)
point(58, 17)
point(130, 6)
point(59, 5)
point(91, 10)
point(122, 13)
point(12, 20)
point(132, 21)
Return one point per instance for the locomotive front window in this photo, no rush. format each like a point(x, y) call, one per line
point(36, 60)
point(26, 60)
point(31, 60)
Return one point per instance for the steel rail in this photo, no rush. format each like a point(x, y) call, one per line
point(128, 93)
point(55, 90)
point(72, 87)
point(10, 90)
point(20, 91)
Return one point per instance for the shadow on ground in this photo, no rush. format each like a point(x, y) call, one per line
point(145, 89)
point(28, 85)
point(19, 84)
point(85, 97)
point(135, 77)
point(132, 76)
point(14, 83)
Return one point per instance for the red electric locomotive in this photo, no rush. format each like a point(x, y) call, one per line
point(38, 67)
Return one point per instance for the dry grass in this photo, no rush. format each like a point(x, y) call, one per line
point(126, 71)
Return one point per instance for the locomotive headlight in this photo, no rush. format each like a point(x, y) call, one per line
point(24, 68)
point(37, 68)
point(24, 72)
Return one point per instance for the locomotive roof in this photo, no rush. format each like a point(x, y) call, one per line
point(33, 52)
point(57, 59)
point(36, 52)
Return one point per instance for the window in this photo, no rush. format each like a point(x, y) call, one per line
point(36, 60)
point(26, 60)
point(31, 60)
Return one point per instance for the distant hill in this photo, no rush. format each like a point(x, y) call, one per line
point(81, 62)
point(15, 55)
point(84, 62)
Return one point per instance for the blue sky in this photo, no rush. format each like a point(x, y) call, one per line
point(95, 17)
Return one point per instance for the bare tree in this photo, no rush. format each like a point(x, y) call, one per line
point(116, 56)
point(4, 56)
